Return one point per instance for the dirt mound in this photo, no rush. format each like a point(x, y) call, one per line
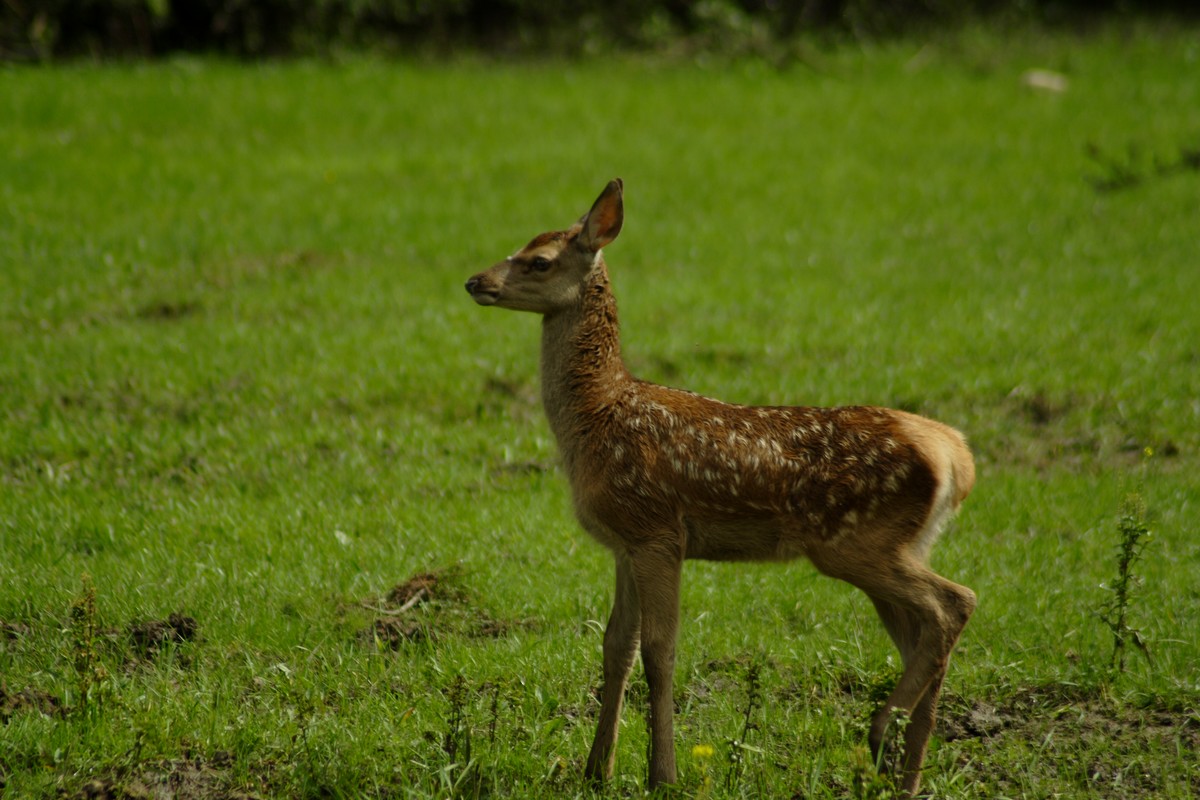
point(393, 633)
point(150, 637)
point(28, 699)
point(12, 630)
point(420, 588)
point(427, 607)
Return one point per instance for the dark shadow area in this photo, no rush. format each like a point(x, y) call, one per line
point(39, 31)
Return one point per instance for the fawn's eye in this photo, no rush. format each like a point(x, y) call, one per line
point(540, 263)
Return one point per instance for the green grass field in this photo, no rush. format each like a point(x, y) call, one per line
point(241, 384)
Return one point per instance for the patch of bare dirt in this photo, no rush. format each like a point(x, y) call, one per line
point(12, 630)
point(167, 310)
point(1030, 706)
point(980, 721)
point(1047, 430)
point(177, 779)
point(427, 607)
point(28, 699)
point(150, 637)
point(488, 628)
point(1103, 738)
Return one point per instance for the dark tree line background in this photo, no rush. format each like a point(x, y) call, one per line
point(46, 29)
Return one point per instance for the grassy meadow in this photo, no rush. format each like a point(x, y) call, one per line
point(279, 512)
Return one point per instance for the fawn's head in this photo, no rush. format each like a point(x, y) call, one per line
point(549, 273)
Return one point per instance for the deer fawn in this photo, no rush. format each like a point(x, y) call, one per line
point(660, 475)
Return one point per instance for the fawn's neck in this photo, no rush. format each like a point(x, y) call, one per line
point(582, 370)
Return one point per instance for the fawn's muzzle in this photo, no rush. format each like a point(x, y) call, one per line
point(481, 295)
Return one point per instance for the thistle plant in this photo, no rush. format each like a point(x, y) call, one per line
point(738, 748)
point(1114, 612)
point(90, 674)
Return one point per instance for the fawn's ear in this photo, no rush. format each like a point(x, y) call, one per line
point(602, 224)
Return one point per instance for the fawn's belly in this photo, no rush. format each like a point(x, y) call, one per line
point(742, 538)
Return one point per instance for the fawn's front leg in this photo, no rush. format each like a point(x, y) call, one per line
point(657, 575)
point(620, 647)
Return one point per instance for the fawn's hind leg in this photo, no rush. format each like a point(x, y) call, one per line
point(924, 614)
point(905, 634)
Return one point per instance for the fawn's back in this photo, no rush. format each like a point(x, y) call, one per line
point(760, 482)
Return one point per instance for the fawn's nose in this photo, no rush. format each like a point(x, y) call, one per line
point(472, 285)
